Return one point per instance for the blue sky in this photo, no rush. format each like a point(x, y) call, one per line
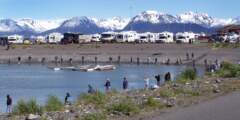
point(52, 9)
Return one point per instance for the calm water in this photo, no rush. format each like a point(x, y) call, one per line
point(37, 81)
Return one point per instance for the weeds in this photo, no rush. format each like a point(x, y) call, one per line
point(98, 99)
point(94, 116)
point(53, 104)
point(27, 107)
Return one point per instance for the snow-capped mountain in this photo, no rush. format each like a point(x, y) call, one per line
point(39, 25)
point(115, 23)
point(152, 21)
point(154, 17)
point(83, 24)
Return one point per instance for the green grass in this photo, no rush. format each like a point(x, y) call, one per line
point(229, 70)
point(126, 107)
point(99, 99)
point(166, 92)
point(27, 107)
point(153, 104)
point(186, 76)
point(94, 116)
point(53, 104)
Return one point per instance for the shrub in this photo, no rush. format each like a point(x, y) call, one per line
point(167, 92)
point(229, 70)
point(27, 107)
point(94, 116)
point(53, 104)
point(187, 75)
point(97, 99)
point(152, 103)
point(126, 107)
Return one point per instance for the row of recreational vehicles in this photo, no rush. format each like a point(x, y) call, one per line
point(230, 37)
point(121, 37)
point(148, 37)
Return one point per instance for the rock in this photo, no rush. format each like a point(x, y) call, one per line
point(33, 117)
point(218, 81)
point(216, 91)
point(171, 102)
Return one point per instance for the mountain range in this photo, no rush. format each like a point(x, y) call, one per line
point(151, 21)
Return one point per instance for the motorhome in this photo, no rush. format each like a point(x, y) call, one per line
point(108, 37)
point(69, 38)
point(15, 39)
point(95, 38)
point(232, 38)
point(146, 37)
point(84, 38)
point(186, 37)
point(126, 36)
point(54, 38)
point(164, 37)
point(41, 40)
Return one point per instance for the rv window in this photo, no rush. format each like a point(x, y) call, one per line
point(162, 37)
point(106, 35)
point(143, 37)
point(181, 37)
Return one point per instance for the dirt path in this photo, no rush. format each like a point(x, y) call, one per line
point(222, 108)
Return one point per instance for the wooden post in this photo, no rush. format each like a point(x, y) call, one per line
point(110, 59)
point(131, 60)
point(70, 61)
point(96, 59)
point(119, 59)
point(56, 59)
point(19, 59)
point(43, 60)
point(156, 60)
point(29, 59)
point(82, 59)
point(138, 60)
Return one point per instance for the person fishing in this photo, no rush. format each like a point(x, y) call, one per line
point(108, 85)
point(167, 77)
point(158, 78)
point(90, 89)
point(9, 104)
point(66, 98)
point(125, 83)
point(146, 82)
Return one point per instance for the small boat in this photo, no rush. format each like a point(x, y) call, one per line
point(105, 67)
point(56, 69)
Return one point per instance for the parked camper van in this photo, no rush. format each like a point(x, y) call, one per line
point(70, 38)
point(95, 38)
point(41, 40)
point(186, 37)
point(15, 39)
point(232, 38)
point(84, 38)
point(146, 37)
point(126, 36)
point(54, 38)
point(108, 37)
point(164, 37)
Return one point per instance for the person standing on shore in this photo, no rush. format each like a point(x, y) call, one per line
point(66, 99)
point(158, 78)
point(90, 89)
point(125, 83)
point(167, 77)
point(9, 104)
point(146, 82)
point(108, 85)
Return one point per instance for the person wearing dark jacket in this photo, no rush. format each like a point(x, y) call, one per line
point(108, 85)
point(158, 78)
point(125, 83)
point(66, 99)
point(167, 77)
point(9, 104)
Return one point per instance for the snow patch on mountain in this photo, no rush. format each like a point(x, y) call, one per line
point(115, 23)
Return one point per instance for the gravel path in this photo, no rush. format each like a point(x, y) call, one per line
point(222, 108)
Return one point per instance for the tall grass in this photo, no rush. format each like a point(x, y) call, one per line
point(187, 75)
point(229, 70)
point(53, 104)
point(27, 107)
point(98, 99)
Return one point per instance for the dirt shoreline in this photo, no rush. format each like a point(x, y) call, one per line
point(123, 53)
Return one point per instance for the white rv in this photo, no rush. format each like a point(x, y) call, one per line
point(108, 37)
point(126, 36)
point(15, 39)
point(41, 40)
point(164, 37)
point(186, 37)
point(85, 38)
point(146, 37)
point(95, 38)
point(54, 38)
point(232, 38)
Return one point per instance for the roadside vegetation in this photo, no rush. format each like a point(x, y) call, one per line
point(224, 45)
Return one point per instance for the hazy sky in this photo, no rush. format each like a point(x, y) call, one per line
point(51, 9)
